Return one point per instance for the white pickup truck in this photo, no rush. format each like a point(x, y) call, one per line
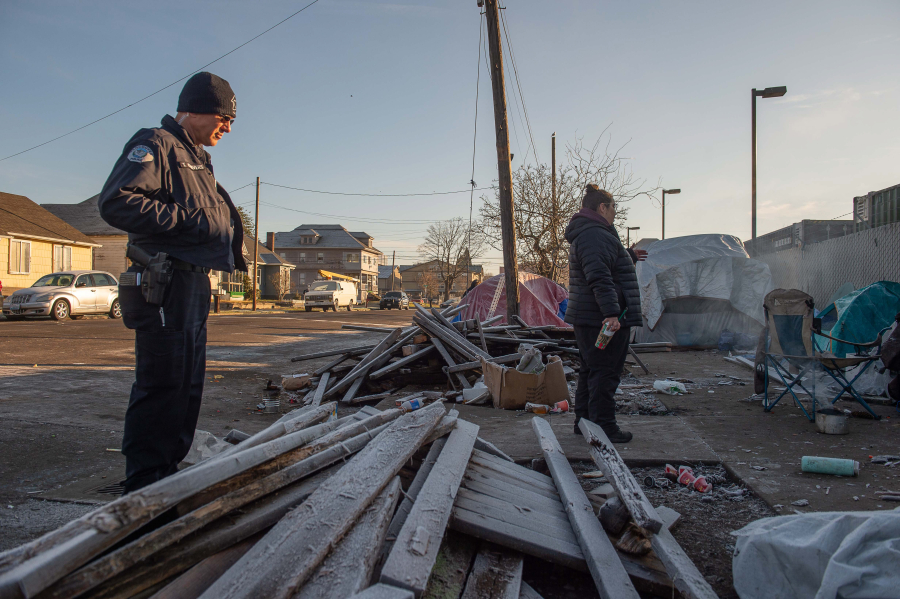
point(330, 294)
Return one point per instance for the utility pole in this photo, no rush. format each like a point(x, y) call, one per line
point(255, 244)
point(504, 170)
point(393, 266)
point(553, 202)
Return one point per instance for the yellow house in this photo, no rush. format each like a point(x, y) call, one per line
point(34, 242)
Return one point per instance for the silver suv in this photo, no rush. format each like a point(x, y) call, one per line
point(69, 294)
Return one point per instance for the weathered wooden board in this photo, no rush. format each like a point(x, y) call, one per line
point(604, 565)
point(401, 362)
point(490, 448)
point(619, 476)
point(554, 517)
point(328, 450)
point(383, 591)
point(409, 498)
point(348, 568)
point(477, 470)
point(195, 581)
point(688, 579)
point(527, 592)
point(320, 390)
point(496, 488)
point(463, 381)
point(550, 526)
point(292, 550)
point(410, 561)
point(523, 474)
point(448, 578)
point(496, 574)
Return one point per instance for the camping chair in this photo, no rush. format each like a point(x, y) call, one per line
point(790, 327)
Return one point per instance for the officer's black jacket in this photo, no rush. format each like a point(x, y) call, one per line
point(602, 278)
point(162, 191)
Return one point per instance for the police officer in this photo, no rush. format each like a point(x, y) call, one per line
point(163, 192)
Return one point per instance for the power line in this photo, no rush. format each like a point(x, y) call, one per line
point(375, 195)
point(512, 57)
point(350, 218)
point(166, 87)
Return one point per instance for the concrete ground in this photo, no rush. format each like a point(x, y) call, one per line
point(64, 389)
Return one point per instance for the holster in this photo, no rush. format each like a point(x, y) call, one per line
point(157, 274)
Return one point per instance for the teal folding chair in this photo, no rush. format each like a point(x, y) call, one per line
point(791, 323)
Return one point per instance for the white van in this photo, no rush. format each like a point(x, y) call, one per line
point(330, 294)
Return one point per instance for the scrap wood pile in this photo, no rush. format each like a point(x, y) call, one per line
point(432, 351)
point(360, 506)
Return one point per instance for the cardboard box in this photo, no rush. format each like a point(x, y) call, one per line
point(511, 389)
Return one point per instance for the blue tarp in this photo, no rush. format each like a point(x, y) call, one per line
point(859, 316)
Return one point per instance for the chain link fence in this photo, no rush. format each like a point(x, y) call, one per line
point(820, 269)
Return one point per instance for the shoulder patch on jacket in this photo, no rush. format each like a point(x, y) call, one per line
point(140, 154)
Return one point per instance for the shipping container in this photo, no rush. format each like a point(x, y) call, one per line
point(798, 235)
point(876, 208)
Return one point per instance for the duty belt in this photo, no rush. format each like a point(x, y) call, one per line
point(182, 265)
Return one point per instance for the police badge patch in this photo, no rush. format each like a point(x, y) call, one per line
point(140, 154)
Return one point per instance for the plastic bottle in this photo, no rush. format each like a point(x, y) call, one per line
point(410, 405)
point(537, 408)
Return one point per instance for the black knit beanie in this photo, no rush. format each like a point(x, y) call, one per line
point(205, 93)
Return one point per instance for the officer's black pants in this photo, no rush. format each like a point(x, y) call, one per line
point(599, 377)
point(170, 365)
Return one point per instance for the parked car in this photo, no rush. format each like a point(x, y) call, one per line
point(394, 299)
point(330, 294)
point(69, 294)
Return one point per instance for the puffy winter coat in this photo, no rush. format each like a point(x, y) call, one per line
point(602, 279)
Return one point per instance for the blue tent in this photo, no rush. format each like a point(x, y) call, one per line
point(859, 316)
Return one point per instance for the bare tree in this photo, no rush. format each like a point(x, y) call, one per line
point(541, 221)
point(429, 282)
point(280, 282)
point(453, 245)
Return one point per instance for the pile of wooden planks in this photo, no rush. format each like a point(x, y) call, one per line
point(376, 504)
point(432, 351)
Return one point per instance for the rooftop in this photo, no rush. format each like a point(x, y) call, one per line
point(84, 216)
point(21, 216)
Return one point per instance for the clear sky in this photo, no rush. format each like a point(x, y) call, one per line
point(379, 97)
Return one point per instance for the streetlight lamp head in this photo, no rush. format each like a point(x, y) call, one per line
point(772, 92)
point(672, 191)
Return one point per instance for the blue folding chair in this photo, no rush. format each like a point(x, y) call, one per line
point(791, 323)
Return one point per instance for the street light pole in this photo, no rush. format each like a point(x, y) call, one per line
point(628, 231)
point(769, 92)
point(670, 192)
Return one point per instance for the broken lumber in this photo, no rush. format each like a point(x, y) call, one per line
point(372, 398)
point(302, 418)
point(619, 476)
point(340, 359)
point(320, 389)
point(411, 494)
point(376, 353)
point(383, 591)
point(527, 592)
point(401, 362)
point(463, 381)
point(490, 448)
point(348, 568)
point(604, 565)
point(415, 550)
point(687, 578)
point(192, 583)
point(477, 363)
point(350, 351)
point(480, 330)
point(496, 573)
point(284, 559)
point(356, 436)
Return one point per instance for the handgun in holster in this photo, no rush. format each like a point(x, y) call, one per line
point(156, 276)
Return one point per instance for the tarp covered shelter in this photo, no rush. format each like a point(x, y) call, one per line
point(694, 287)
point(859, 316)
point(541, 301)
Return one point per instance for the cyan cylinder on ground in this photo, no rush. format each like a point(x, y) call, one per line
point(838, 466)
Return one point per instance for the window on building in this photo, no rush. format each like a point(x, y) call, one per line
point(283, 255)
point(19, 257)
point(302, 256)
point(303, 278)
point(351, 258)
point(320, 257)
point(62, 258)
